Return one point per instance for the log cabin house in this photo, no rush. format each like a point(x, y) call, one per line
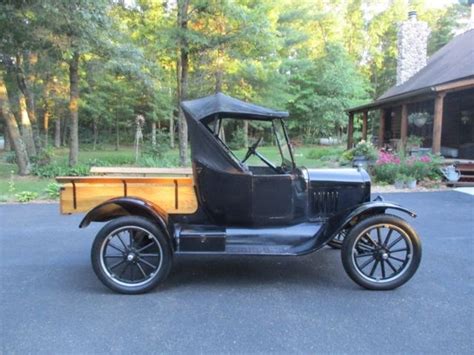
point(433, 99)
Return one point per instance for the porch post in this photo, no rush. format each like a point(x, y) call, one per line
point(404, 125)
point(438, 122)
point(381, 128)
point(364, 125)
point(350, 130)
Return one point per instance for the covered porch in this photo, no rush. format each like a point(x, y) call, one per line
point(441, 116)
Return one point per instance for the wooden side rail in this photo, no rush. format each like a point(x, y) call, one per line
point(172, 194)
point(136, 171)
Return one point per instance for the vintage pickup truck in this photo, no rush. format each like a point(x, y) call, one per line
point(230, 208)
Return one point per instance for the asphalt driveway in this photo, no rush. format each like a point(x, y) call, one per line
point(51, 301)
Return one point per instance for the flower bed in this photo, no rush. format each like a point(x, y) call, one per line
point(391, 167)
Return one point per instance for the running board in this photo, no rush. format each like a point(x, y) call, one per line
point(201, 239)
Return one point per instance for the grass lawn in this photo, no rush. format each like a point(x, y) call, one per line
point(308, 156)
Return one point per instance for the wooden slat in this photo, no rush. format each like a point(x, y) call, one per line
point(173, 195)
point(110, 170)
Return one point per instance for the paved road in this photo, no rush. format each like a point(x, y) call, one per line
point(51, 301)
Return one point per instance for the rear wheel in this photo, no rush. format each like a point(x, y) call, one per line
point(381, 252)
point(131, 255)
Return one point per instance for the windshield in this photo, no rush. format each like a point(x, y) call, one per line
point(237, 136)
point(283, 144)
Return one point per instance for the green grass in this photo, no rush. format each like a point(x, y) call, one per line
point(308, 156)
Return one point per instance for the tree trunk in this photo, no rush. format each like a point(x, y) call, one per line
point(22, 159)
point(46, 127)
point(182, 69)
point(30, 103)
point(26, 131)
point(64, 128)
point(46, 113)
point(171, 131)
point(117, 133)
point(153, 134)
point(96, 133)
point(6, 143)
point(74, 109)
point(57, 133)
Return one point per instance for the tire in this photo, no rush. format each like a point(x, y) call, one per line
point(381, 252)
point(119, 259)
point(337, 241)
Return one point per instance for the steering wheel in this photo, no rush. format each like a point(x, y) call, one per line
point(253, 151)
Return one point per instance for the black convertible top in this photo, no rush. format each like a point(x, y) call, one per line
point(223, 106)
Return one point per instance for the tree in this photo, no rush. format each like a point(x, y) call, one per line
point(16, 141)
point(323, 89)
point(76, 27)
point(182, 69)
point(445, 25)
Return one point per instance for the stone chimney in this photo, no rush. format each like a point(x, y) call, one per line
point(412, 45)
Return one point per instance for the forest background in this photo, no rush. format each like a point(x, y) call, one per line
point(74, 75)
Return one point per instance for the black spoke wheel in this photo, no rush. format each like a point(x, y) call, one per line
point(381, 252)
point(131, 255)
point(336, 242)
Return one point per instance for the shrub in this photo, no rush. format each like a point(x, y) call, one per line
point(385, 173)
point(55, 169)
point(389, 165)
point(26, 196)
point(53, 190)
point(362, 148)
point(365, 149)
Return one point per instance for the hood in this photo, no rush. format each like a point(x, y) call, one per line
point(339, 175)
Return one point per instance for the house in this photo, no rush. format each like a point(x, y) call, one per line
point(433, 99)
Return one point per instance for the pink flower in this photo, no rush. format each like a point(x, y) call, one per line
point(387, 158)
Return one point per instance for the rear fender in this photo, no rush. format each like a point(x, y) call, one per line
point(126, 206)
point(339, 222)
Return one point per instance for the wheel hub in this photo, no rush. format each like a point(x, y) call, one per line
point(382, 254)
point(131, 257)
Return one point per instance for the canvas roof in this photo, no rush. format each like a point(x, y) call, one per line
point(225, 106)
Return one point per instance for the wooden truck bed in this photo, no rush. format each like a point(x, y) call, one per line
point(172, 194)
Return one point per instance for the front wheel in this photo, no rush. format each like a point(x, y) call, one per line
point(381, 252)
point(131, 255)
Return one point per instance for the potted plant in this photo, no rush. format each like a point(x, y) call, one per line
point(410, 182)
point(401, 181)
point(414, 142)
point(363, 153)
point(419, 119)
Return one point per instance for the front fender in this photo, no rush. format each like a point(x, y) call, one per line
point(126, 206)
point(338, 222)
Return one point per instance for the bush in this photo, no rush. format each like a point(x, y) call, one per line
point(385, 173)
point(388, 166)
point(26, 196)
point(55, 169)
point(53, 190)
point(365, 149)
